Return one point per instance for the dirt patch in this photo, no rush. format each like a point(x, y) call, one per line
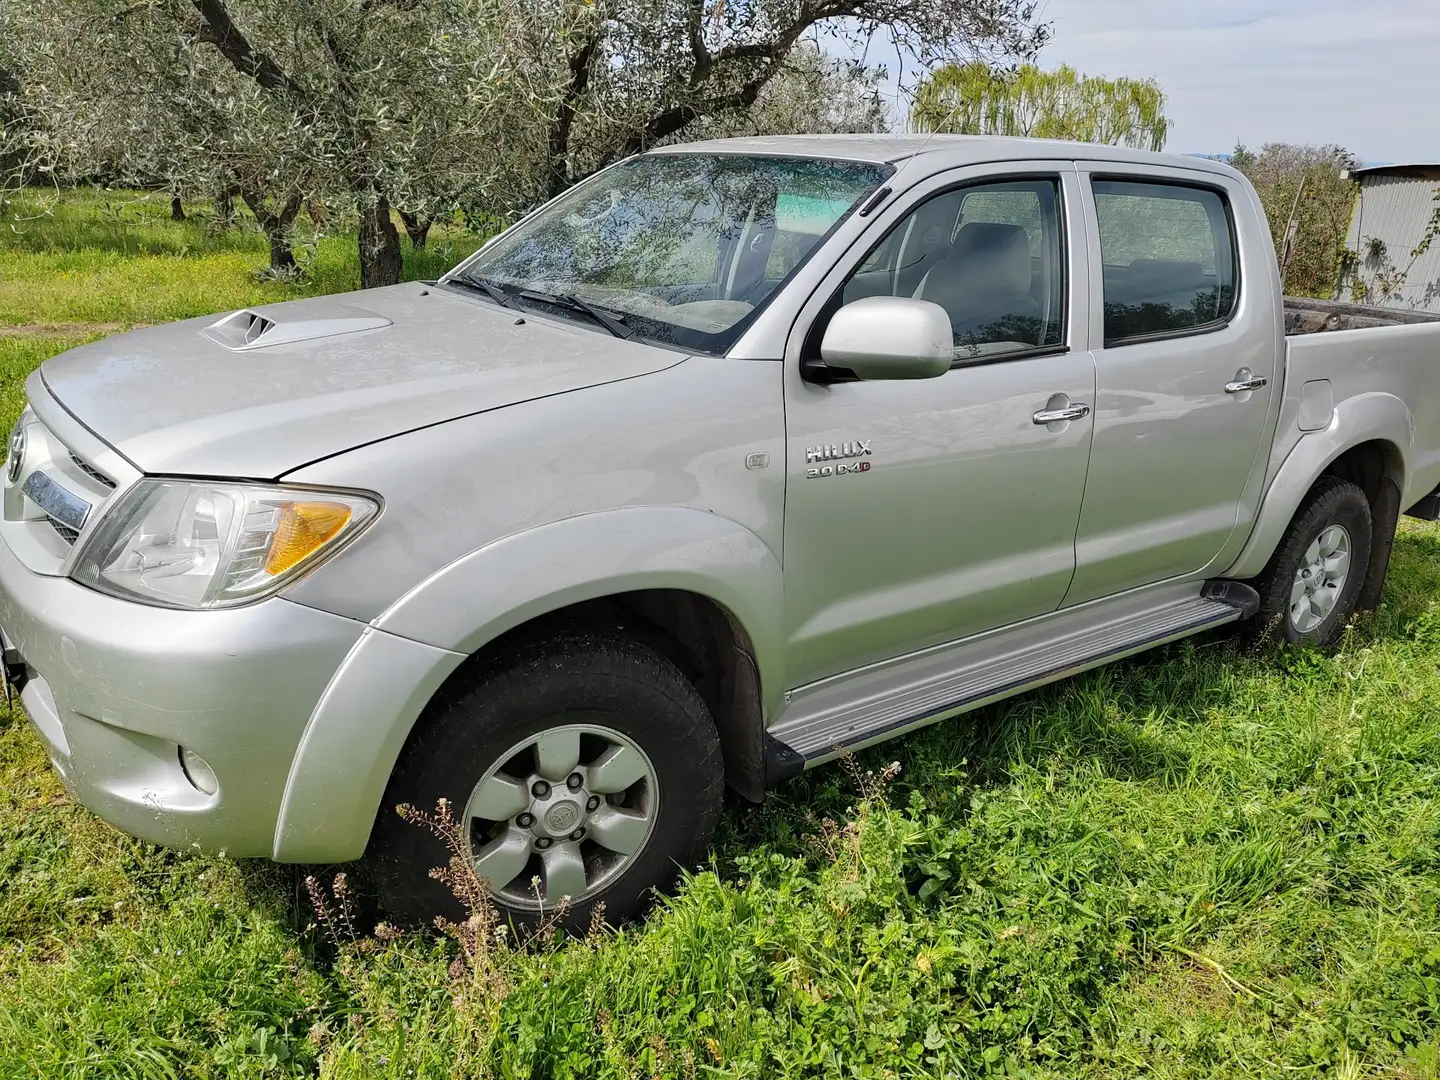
point(61, 329)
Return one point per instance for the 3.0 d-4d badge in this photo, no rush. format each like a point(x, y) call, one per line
point(832, 452)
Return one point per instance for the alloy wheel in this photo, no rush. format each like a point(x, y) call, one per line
point(561, 814)
point(1320, 579)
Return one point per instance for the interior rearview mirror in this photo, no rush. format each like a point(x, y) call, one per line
point(890, 337)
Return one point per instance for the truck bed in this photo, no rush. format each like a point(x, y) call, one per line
point(1306, 316)
point(1387, 363)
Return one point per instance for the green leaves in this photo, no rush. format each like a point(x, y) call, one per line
point(977, 99)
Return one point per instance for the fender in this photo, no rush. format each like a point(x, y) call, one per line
point(1360, 419)
point(334, 789)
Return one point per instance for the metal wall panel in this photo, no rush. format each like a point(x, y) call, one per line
point(1395, 210)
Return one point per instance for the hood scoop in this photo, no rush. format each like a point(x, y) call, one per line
point(242, 331)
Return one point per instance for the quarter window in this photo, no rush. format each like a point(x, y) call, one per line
point(990, 255)
point(1169, 259)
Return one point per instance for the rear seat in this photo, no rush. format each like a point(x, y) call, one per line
point(1159, 281)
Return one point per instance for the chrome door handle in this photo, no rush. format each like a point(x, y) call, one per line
point(1056, 416)
point(1244, 386)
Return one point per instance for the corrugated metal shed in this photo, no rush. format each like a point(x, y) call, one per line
point(1395, 205)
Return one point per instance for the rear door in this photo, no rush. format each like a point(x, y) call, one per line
point(1185, 319)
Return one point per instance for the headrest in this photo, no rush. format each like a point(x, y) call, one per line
point(999, 255)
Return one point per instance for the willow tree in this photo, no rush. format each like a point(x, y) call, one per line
point(977, 99)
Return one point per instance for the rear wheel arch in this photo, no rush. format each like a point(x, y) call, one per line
point(1376, 462)
point(1377, 468)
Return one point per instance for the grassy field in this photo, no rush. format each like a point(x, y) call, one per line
point(1202, 863)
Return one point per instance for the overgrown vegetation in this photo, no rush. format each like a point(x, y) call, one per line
point(1309, 200)
point(1200, 863)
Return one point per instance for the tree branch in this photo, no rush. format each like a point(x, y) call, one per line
point(220, 30)
point(703, 59)
point(558, 157)
point(676, 117)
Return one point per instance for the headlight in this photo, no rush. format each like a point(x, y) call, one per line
point(15, 450)
point(194, 544)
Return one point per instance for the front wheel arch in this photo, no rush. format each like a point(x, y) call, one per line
point(357, 732)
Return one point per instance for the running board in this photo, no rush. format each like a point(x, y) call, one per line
point(848, 713)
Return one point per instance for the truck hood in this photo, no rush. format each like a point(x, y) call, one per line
point(261, 392)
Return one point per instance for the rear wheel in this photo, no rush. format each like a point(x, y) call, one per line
point(583, 770)
point(1310, 588)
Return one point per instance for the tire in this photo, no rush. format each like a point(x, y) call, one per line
point(1314, 609)
point(617, 697)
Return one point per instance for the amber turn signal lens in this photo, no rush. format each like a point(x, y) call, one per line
point(305, 527)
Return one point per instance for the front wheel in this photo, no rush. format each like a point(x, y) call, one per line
point(1310, 587)
point(581, 771)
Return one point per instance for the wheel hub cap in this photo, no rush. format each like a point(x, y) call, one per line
point(1320, 580)
point(560, 820)
point(561, 814)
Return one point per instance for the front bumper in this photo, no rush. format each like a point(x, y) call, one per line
point(116, 688)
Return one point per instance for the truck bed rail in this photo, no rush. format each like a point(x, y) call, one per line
point(1306, 316)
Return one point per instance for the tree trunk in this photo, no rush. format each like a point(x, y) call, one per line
point(417, 228)
point(282, 257)
point(177, 210)
point(277, 231)
point(380, 258)
point(226, 216)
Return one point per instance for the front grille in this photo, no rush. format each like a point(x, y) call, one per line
point(65, 533)
point(92, 472)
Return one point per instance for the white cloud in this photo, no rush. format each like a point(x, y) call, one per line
point(1365, 75)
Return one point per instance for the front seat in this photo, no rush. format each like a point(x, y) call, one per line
point(984, 285)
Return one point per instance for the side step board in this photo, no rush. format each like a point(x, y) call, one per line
point(848, 714)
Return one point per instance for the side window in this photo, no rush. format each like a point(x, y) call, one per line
point(990, 255)
point(1168, 256)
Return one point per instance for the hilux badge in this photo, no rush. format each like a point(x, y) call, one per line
point(838, 453)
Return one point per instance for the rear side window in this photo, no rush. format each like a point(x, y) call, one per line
point(1169, 259)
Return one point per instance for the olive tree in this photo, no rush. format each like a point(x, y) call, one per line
point(977, 99)
point(423, 106)
point(372, 102)
point(813, 93)
point(646, 71)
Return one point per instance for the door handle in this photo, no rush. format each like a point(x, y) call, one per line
point(1245, 385)
point(1076, 411)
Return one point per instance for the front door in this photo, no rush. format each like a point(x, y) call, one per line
point(1182, 333)
point(922, 512)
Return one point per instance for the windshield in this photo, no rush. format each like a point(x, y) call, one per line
point(683, 248)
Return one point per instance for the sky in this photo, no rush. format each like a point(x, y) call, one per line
point(1364, 74)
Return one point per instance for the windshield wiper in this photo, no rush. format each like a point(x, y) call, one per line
point(614, 323)
point(489, 288)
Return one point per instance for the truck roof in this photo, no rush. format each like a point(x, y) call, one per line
point(958, 149)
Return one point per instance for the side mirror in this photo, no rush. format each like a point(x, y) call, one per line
point(890, 337)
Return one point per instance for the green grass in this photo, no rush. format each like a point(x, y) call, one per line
point(1201, 863)
point(116, 259)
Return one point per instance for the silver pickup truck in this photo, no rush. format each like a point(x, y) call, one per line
point(733, 458)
